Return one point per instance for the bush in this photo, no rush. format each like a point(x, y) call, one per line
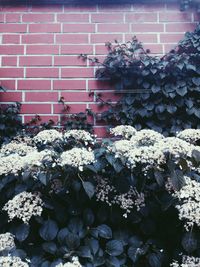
point(68, 199)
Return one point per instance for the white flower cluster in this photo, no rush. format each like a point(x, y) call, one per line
point(146, 138)
point(14, 147)
point(12, 261)
point(121, 148)
point(23, 206)
point(189, 206)
point(187, 261)
point(125, 131)
point(48, 137)
point(189, 135)
point(80, 135)
point(77, 157)
point(129, 200)
point(105, 192)
point(10, 164)
point(147, 156)
point(7, 242)
point(75, 263)
point(175, 147)
point(36, 158)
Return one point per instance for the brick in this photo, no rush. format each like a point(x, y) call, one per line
point(42, 49)
point(103, 38)
point(76, 97)
point(73, 17)
point(175, 16)
point(2, 17)
point(69, 84)
point(9, 61)
point(80, 8)
point(141, 17)
point(35, 61)
point(38, 18)
point(36, 108)
point(10, 39)
point(41, 96)
point(107, 18)
point(142, 37)
point(12, 17)
point(69, 61)
point(97, 108)
point(78, 28)
point(16, 8)
point(101, 50)
point(180, 27)
point(8, 84)
point(72, 38)
point(47, 8)
point(101, 132)
point(171, 38)
point(34, 85)
point(168, 47)
point(10, 97)
point(44, 118)
point(114, 8)
point(196, 17)
point(154, 48)
point(149, 7)
point(113, 27)
point(76, 49)
point(74, 108)
point(77, 72)
point(42, 73)
point(99, 85)
point(38, 39)
point(11, 49)
point(13, 28)
point(147, 27)
point(37, 28)
point(11, 72)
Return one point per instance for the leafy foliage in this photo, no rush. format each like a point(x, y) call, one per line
point(79, 217)
point(160, 93)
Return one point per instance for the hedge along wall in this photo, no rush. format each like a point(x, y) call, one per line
point(40, 47)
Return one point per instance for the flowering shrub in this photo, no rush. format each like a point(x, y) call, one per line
point(69, 200)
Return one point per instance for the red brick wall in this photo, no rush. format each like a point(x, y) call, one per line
point(39, 48)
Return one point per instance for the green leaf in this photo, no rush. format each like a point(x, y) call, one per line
point(114, 248)
point(196, 81)
point(155, 260)
point(49, 247)
point(104, 231)
point(89, 189)
point(49, 230)
point(189, 242)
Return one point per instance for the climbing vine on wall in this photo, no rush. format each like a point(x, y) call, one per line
point(161, 93)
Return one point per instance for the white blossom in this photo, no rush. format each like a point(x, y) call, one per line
point(187, 261)
point(189, 135)
point(10, 164)
point(189, 203)
point(121, 148)
point(77, 157)
point(48, 137)
point(80, 135)
point(13, 147)
point(7, 242)
point(146, 137)
point(175, 147)
point(75, 263)
point(23, 206)
point(147, 156)
point(12, 261)
point(125, 131)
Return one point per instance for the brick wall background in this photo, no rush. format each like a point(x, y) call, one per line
point(39, 48)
